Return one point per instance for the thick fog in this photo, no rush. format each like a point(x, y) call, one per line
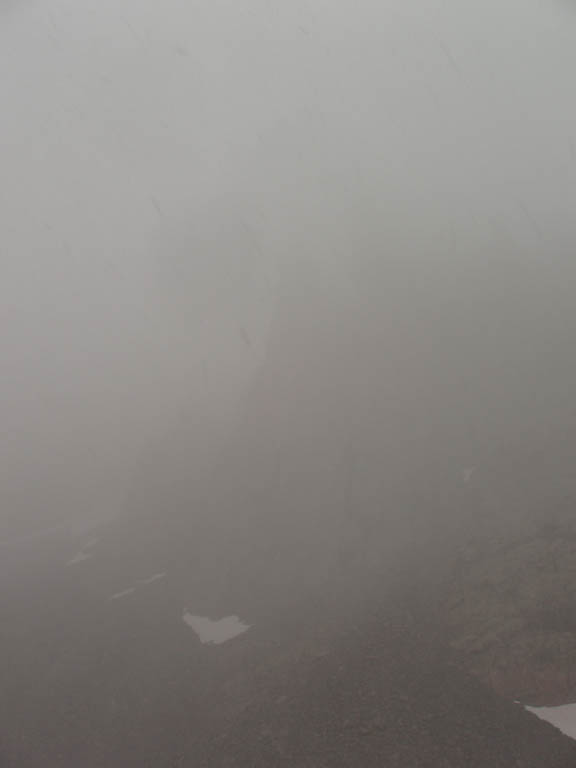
point(308, 254)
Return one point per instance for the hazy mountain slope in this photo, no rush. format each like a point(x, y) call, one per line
point(509, 612)
point(102, 682)
point(383, 698)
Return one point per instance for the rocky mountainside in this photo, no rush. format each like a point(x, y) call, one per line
point(382, 696)
point(97, 677)
point(99, 669)
point(509, 612)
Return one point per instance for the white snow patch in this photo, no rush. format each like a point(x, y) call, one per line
point(82, 555)
point(123, 593)
point(564, 717)
point(215, 632)
point(79, 557)
point(139, 583)
point(152, 579)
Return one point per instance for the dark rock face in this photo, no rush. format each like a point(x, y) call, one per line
point(384, 697)
point(509, 613)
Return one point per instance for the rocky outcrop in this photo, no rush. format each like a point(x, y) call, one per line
point(509, 613)
point(383, 696)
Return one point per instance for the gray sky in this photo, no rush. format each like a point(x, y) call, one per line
point(168, 166)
